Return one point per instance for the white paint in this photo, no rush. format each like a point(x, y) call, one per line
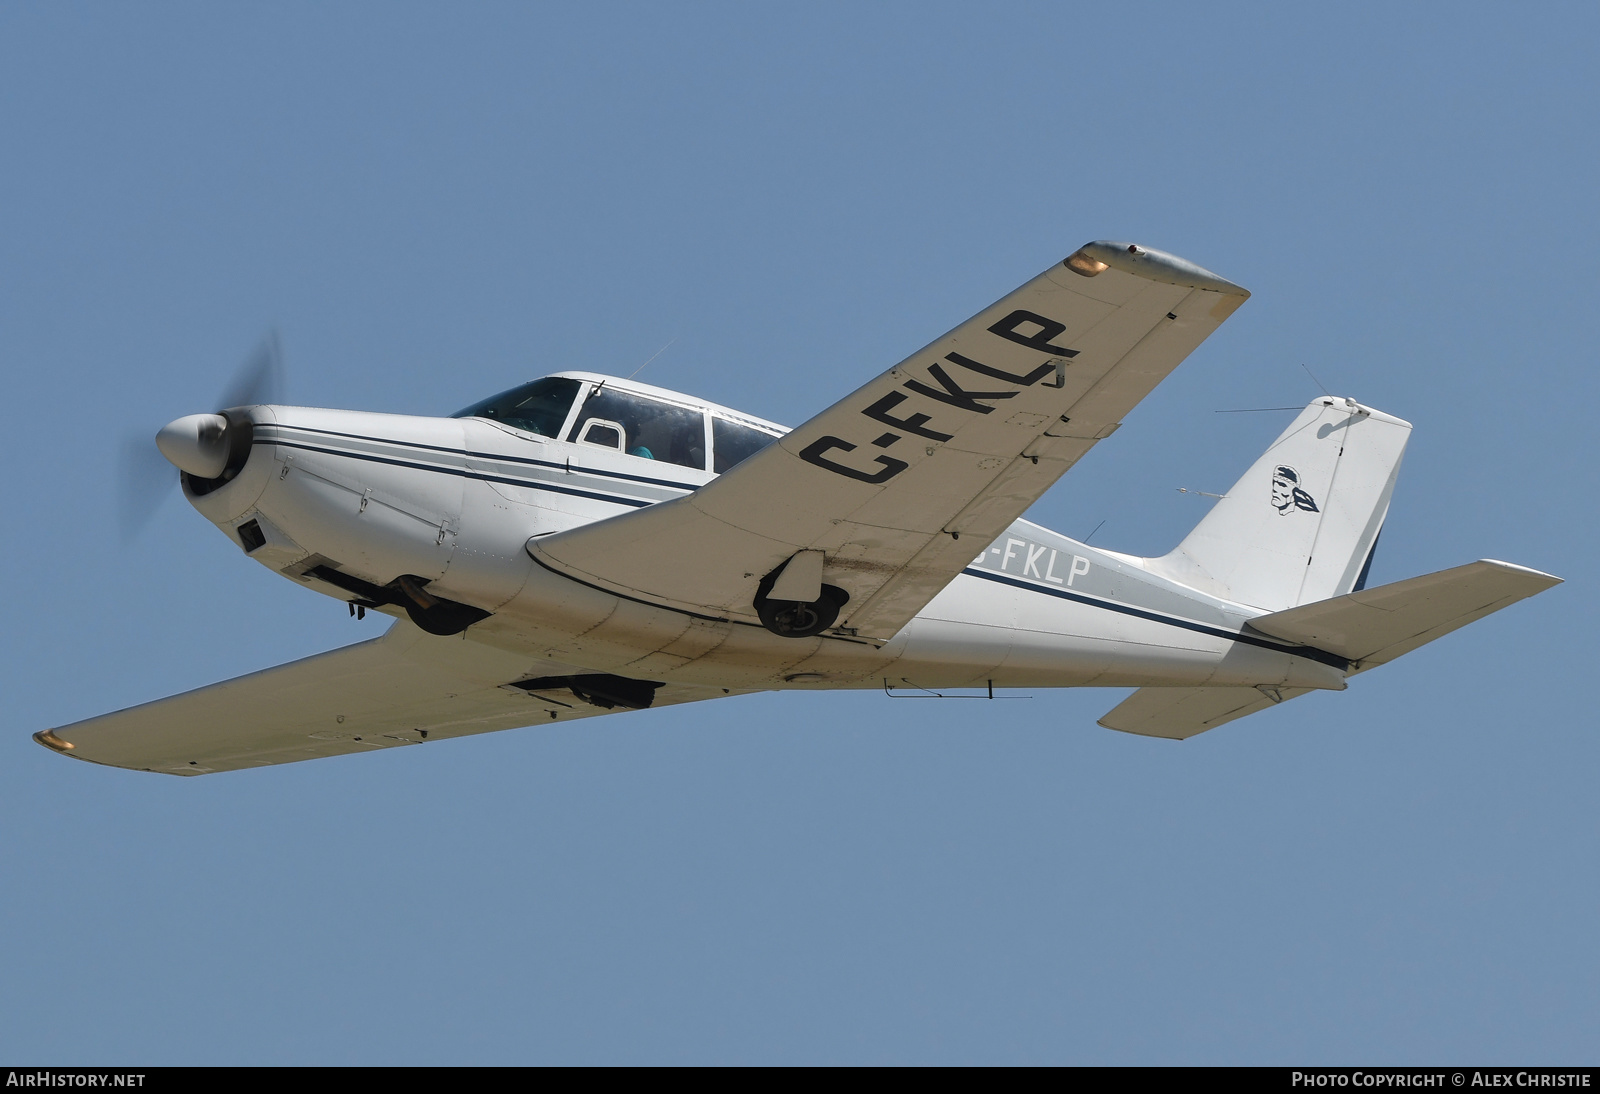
point(1011, 544)
point(1035, 552)
point(1050, 571)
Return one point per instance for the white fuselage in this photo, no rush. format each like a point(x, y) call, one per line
point(454, 501)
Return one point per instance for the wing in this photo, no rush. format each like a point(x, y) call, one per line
point(901, 482)
point(405, 688)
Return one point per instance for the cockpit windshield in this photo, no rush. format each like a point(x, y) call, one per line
point(540, 407)
point(643, 427)
point(735, 443)
point(627, 422)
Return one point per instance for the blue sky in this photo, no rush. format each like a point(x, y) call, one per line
point(434, 203)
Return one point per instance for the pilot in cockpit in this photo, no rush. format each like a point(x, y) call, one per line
point(611, 418)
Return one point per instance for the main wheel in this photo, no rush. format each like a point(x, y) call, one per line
point(797, 619)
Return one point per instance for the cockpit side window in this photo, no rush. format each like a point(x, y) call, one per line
point(540, 407)
point(653, 431)
point(602, 434)
point(733, 443)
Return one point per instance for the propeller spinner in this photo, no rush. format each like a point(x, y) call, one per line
point(196, 443)
point(199, 444)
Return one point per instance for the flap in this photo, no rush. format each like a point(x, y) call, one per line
point(900, 483)
point(405, 688)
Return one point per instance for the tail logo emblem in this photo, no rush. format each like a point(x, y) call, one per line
point(1287, 494)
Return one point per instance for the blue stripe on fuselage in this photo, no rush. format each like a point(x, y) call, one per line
point(1309, 652)
point(462, 472)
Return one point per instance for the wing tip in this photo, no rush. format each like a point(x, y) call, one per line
point(1549, 581)
point(1094, 258)
point(48, 738)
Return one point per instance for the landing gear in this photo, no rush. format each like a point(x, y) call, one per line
point(434, 614)
point(799, 619)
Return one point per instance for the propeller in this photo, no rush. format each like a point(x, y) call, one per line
point(260, 379)
point(196, 443)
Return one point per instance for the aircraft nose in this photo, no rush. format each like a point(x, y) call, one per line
point(196, 443)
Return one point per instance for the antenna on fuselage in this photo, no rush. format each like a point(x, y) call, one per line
point(652, 357)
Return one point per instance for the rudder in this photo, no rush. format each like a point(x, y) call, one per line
point(1301, 524)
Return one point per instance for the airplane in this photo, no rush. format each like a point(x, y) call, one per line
point(583, 545)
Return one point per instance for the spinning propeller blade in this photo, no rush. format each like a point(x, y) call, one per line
point(260, 379)
point(144, 479)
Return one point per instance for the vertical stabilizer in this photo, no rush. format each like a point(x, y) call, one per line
point(1301, 524)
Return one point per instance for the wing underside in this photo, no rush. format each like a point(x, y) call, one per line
point(406, 688)
point(901, 482)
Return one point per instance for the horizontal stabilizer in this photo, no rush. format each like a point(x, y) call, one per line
point(1182, 712)
point(1375, 626)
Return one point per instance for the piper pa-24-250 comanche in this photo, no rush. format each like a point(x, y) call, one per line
point(585, 545)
